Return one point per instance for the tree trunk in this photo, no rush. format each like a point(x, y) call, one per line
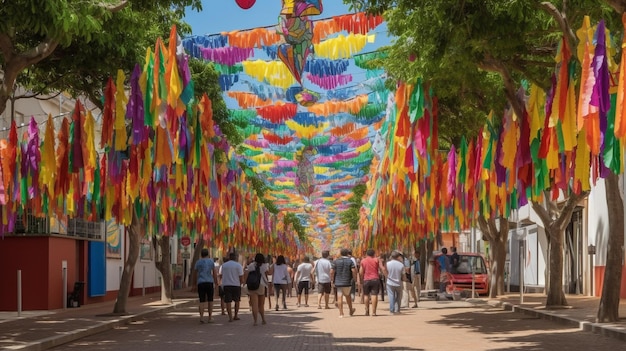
point(134, 234)
point(165, 268)
point(608, 310)
point(14, 63)
point(556, 296)
point(555, 220)
point(196, 257)
point(498, 240)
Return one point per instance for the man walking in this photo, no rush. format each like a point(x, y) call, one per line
point(206, 275)
point(341, 275)
point(303, 279)
point(232, 279)
point(370, 266)
point(394, 271)
point(322, 275)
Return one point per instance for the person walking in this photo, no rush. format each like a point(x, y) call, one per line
point(370, 266)
point(417, 277)
point(257, 296)
point(270, 285)
point(444, 268)
point(232, 280)
point(303, 279)
point(394, 271)
point(322, 276)
point(342, 273)
point(280, 277)
point(206, 275)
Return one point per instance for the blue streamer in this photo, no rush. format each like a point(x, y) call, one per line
point(308, 119)
point(227, 81)
point(325, 67)
point(271, 51)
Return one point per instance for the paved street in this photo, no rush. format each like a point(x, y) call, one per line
point(434, 326)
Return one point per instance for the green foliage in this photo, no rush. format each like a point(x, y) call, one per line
point(351, 216)
point(87, 41)
point(466, 49)
point(294, 221)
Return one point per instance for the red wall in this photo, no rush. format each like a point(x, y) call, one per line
point(598, 277)
point(39, 258)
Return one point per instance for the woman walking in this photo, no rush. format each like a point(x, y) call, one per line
point(257, 296)
point(280, 278)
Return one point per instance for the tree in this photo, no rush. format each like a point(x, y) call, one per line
point(555, 218)
point(135, 233)
point(466, 40)
point(74, 46)
point(498, 236)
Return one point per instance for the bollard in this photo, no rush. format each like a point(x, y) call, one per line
point(19, 292)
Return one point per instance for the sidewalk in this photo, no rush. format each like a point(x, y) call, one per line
point(581, 313)
point(41, 330)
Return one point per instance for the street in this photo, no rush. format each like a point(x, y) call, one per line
point(433, 326)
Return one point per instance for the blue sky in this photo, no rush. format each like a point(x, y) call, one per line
point(229, 16)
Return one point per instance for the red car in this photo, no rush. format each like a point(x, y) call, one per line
point(460, 277)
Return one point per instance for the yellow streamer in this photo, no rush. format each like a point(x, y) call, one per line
point(343, 46)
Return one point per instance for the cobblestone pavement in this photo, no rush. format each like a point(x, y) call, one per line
point(471, 325)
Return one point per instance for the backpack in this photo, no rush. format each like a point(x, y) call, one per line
point(254, 279)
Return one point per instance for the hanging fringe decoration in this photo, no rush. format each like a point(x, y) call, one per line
point(254, 38)
point(324, 67)
point(358, 23)
point(343, 46)
point(227, 56)
point(278, 113)
point(330, 82)
point(247, 100)
point(334, 107)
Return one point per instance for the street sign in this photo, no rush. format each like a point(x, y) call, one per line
point(185, 241)
point(186, 255)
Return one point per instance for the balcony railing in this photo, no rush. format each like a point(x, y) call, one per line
point(79, 228)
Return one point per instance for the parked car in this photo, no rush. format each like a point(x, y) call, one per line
point(460, 277)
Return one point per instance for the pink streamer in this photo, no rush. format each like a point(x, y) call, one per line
point(227, 56)
point(330, 82)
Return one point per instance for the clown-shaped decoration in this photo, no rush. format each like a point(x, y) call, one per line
point(297, 30)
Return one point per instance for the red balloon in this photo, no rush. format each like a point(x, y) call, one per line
point(245, 4)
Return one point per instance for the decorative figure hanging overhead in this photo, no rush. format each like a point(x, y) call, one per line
point(305, 174)
point(297, 29)
point(245, 4)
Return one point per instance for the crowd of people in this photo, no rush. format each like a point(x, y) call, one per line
point(338, 281)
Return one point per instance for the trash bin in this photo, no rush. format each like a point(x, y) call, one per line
point(73, 299)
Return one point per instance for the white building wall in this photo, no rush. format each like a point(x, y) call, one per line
point(598, 222)
point(145, 275)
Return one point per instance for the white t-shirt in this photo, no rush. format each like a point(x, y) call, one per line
point(230, 272)
point(264, 268)
point(395, 269)
point(322, 270)
point(280, 275)
point(304, 272)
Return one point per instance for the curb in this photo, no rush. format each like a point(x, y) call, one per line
point(610, 330)
point(54, 341)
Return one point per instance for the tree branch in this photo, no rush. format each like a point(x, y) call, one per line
point(543, 214)
point(36, 54)
point(618, 5)
point(561, 18)
point(510, 90)
point(572, 201)
point(484, 227)
point(115, 7)
point(6, 46)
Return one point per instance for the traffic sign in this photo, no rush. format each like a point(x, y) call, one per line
point(185, 241)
